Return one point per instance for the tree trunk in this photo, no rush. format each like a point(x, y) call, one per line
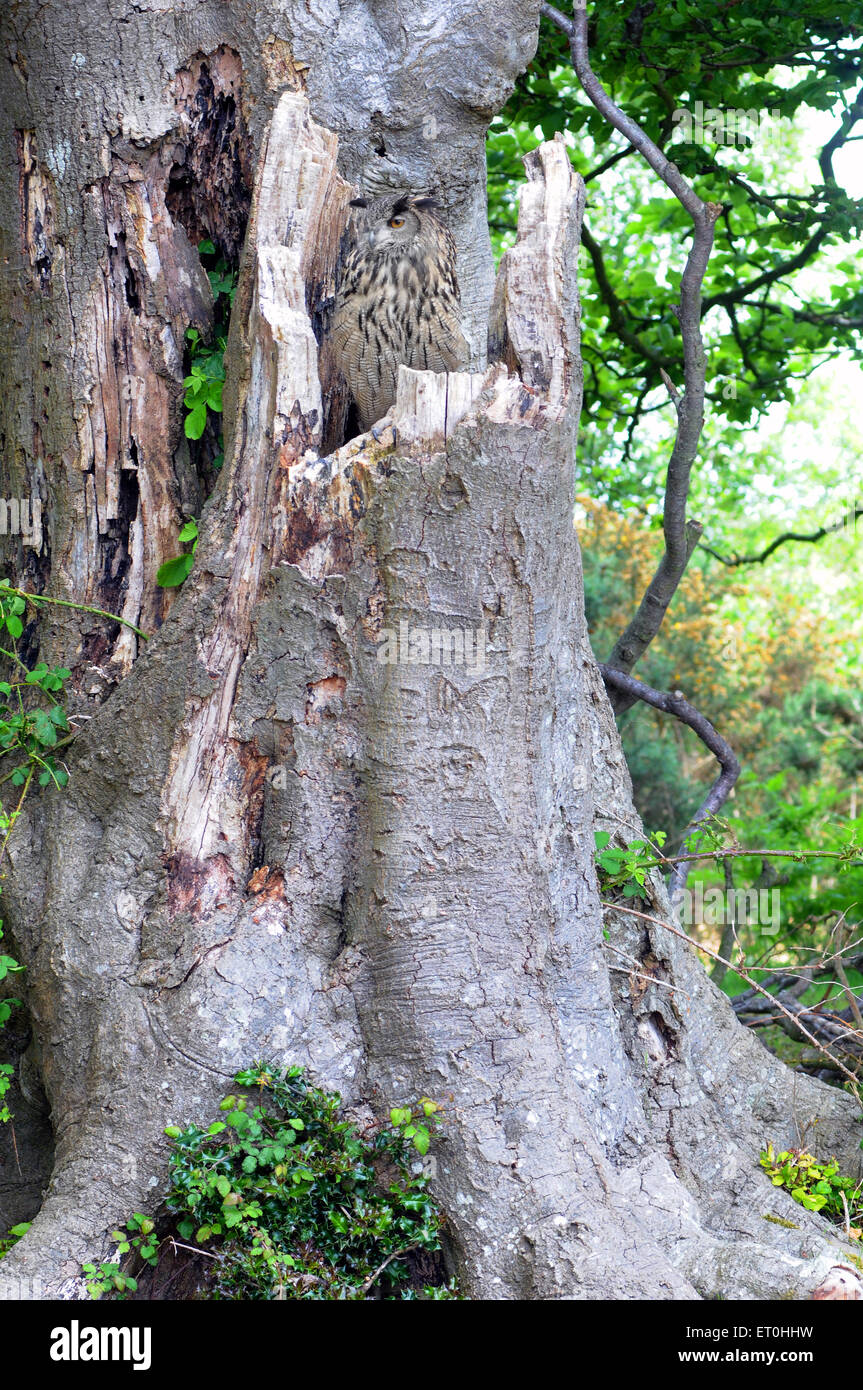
point(290, 830)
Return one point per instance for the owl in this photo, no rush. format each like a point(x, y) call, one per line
point(397, 301)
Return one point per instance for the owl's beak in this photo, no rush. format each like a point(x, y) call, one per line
point(372, 236)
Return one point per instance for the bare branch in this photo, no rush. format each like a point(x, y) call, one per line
point(807, 537)
point(681, 536)
point(837, 140)
point(672, 702)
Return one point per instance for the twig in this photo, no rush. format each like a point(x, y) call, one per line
point(36, 599)
point(798, 854)
point(178, 1245)
point(714, 955)
point(397, 1254)
point(633, 963)
point(15, 1147)
point(15, 814)
point(801, 537)
point(672, 702)
point(848, 992)
point(847, 1215)
point(729, 938)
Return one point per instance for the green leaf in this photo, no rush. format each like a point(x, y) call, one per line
point(43, 728)
point(196, 421)
point(173, 572)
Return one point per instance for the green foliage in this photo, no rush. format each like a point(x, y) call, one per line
point(140, 1235)
point(14, 1235)
point(31, 715)
point(816, 1185)
point(296, 1202)
point(767, 320)
point(774, 668)
point(203, 393)
point(810, 818)
point(173, 572)
point(6, 1071)
point(203, 385)
point(625, 868)
point(412, 1128)
point(107, 1277)
point(32, 718)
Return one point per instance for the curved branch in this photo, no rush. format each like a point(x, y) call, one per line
point(769, 277)
point(672, 702)
point(806, 252)
point(681, 536)
point(808, 538)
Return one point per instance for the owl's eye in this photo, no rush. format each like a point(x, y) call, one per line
point(397, 222)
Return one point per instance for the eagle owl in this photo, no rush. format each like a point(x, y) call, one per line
point(397, 301)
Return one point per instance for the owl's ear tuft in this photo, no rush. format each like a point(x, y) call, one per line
point(359, 203)
point(400, 205)
point(428, 203)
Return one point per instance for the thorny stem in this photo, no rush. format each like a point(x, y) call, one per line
point(799, 854)
point(16, 813)
point(36, 599)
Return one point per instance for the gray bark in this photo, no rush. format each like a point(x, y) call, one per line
point(273, 843)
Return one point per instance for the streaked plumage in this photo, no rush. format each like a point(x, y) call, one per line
point(397, 302)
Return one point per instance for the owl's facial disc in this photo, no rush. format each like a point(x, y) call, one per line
point(394, 230)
